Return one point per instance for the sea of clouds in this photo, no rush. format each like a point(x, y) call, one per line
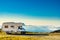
point(32, 28)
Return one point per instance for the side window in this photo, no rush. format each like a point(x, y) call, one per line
point(6, 26)
point(19, 27)
point(12, 26)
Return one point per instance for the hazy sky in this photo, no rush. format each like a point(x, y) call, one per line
point(31, 12)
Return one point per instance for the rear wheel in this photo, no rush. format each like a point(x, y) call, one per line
point(8, 33)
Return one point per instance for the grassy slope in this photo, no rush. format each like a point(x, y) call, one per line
point(4, 36)
point(9, 37)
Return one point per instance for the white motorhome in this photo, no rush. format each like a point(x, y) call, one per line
point(12, 27)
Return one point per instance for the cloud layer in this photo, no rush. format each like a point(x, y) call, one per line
point(40, 28)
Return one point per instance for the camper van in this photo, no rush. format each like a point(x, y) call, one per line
point(12, 27)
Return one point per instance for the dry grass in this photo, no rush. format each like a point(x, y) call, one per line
point(4, 36)
point(16, 37)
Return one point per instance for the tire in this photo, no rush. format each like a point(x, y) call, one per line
point(23, 33)
point(8, 33)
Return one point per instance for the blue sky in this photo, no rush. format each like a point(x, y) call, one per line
point(35, 8)
point(38, 10)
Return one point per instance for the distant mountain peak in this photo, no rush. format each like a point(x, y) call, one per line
point(56, 31)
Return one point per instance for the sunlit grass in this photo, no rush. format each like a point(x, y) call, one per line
point(12, 37)
point(51, 36)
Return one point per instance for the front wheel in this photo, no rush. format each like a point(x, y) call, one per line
point(23, 32)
